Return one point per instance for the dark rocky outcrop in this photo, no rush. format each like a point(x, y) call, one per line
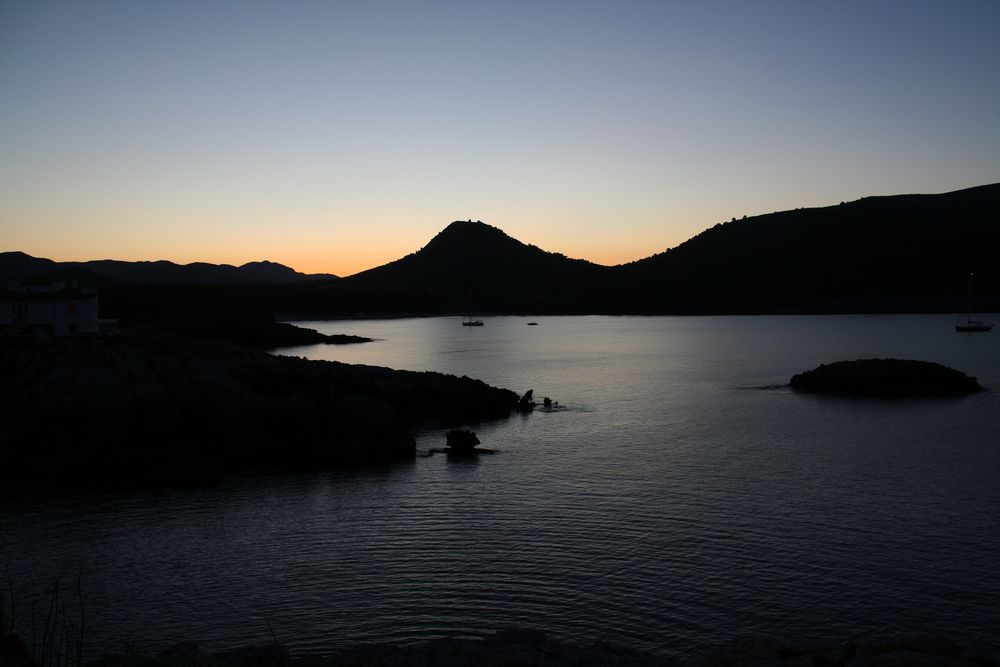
point(159, 407)
point(461, 443)
point(509, 648)
point(13, 652)
point(257, 331)
point(886, 377)
point(461, 440)
point(519, 647)
point(918, 649)
point(262, 334)
point(514, 647)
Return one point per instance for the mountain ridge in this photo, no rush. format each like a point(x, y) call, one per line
point(889, 245)
point(885, 253)
point(20, 265)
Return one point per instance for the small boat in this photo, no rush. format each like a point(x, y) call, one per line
point(532, 324)
point(470, 322)
point(970, 325)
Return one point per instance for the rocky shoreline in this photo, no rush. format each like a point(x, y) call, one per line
point(255, 333)
point(520, 647)
point(160, 408)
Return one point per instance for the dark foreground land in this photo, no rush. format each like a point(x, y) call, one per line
point(158, 407)
point(532, 648)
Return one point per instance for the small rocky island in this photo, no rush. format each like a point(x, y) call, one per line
point(463, 444)
point(886, 377)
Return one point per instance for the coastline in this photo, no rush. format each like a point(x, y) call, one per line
point(163, 409)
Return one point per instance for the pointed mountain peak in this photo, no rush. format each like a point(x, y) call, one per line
point(467, 224)
point(468, 227)
point(464, 236)
point(474, 256)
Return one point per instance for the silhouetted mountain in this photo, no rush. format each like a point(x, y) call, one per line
point(475, 264)
point(904, 252)
point(21, 265)
point(876, 253)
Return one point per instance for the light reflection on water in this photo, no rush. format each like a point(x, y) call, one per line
point(672, 504)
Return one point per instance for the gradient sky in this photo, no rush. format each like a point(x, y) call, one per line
point(336, 136)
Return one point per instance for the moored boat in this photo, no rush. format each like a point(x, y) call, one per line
point(970, 325)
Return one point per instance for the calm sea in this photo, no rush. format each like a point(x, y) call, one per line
point(679, 496)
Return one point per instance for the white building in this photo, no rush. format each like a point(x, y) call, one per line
point(48, 310)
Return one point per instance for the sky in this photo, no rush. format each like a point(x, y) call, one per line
point(336, 136)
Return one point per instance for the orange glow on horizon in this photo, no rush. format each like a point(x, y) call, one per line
point(340, 259)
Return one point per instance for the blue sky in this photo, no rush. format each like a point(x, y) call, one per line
point(335, 136)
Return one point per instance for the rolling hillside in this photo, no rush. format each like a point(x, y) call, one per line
point(21, 265)
point(873, 253)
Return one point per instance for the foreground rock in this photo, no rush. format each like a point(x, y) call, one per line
point(527, 402)
point(530, 648)
point(914, 650)
point(886, 377)
point(162, 408)
point(461, 443)
point(461, 440)
point(509, 648)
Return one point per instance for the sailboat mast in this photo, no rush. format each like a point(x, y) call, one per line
point(971, 325)
point(968, 303)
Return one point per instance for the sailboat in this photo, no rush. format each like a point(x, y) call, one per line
point(470, 321)
point(970, 325)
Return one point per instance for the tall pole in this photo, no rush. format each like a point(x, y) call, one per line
point(968, 307)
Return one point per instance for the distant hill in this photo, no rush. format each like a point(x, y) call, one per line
point(876, 253)
point(23, 266)
point(472, 264)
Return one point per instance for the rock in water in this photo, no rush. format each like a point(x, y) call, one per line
point(886, 377)
point(460, 440)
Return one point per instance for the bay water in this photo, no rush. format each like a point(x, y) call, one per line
point(679, 495)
